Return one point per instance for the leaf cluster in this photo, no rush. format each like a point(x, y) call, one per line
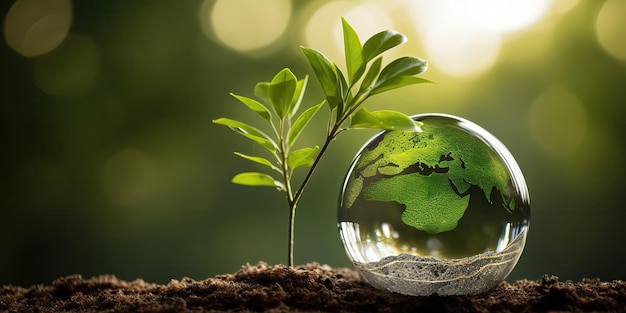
point(280, 99)
point(365, 78)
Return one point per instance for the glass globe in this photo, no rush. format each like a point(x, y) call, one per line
point(441, 211)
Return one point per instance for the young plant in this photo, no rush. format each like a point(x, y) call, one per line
point(281, 98)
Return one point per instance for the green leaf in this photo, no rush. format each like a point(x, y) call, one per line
point(327, 74)
point(383, 119)
point(259, 160)
point(281, 91)
point(301, 122)
point(372, 73)
point(262, 91)
point(380, 43)
point(353, 52)
point(254, 106)
point(302, 157)
point(342, 87)
point(248, 132)
point(298, 95)
point(256, 179)
point(398, 82)
point(405, 66)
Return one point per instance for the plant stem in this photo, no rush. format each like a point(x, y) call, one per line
point(293, 200)
point(329, 139)
point(284, 153)
point(292, 219)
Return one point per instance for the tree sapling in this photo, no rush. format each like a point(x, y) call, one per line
point(281, 99)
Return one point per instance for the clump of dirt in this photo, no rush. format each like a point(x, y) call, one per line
point(308, 288)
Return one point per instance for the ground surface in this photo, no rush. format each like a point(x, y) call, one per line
point(308, 288)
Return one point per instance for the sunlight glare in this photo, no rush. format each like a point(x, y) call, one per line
point(503, 16)
point(464, 38)
point(460, 51)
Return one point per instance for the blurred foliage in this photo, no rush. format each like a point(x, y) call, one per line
point(110, 163)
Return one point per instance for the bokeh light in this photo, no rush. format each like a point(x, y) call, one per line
point(129, 177)
point(35, 27)
point(70, 69)
point(611, 28)
point(558, 121)
point(245, 25)
point(322, 24)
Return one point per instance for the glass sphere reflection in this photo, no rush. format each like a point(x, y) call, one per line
point(444, 210)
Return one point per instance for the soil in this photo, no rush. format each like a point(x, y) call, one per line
point(307, 288)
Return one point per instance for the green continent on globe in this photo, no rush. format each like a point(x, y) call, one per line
point(430, 172)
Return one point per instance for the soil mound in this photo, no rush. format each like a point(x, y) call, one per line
point(307, 288)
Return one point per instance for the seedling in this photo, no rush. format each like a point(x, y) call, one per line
point(280, 100)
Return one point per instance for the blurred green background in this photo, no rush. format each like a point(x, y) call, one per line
point(110, 162)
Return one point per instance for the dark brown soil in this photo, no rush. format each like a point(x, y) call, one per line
point(308, 288)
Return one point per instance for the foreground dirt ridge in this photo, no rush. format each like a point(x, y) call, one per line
point(307, 288)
